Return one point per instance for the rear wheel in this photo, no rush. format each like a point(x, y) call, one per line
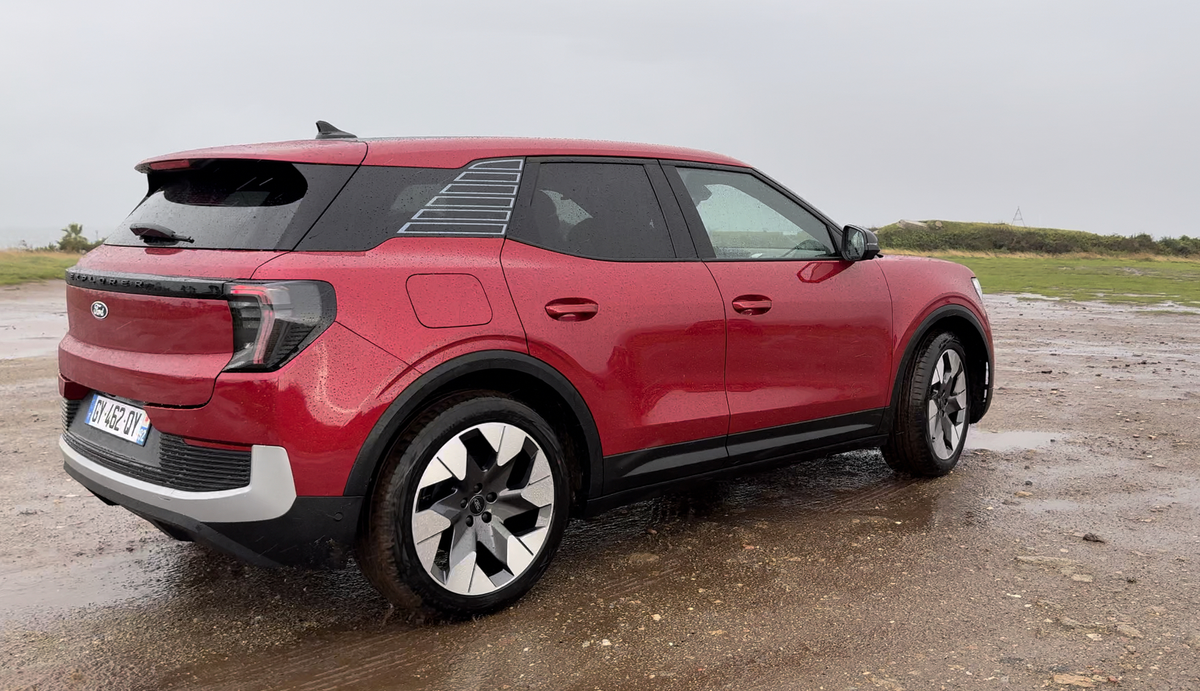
point(930, 424)
point(469, 508)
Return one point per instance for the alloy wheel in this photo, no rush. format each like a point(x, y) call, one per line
point(947, 406)
point(483, 509)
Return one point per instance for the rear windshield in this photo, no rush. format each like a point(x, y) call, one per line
point(234, 204)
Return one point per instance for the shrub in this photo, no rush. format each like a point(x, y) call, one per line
point(73, 240)
point(1004, 238)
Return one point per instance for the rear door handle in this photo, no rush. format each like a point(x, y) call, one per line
point(572, 309)
point(751, 305)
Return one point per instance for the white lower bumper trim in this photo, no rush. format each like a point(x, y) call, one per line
point(270, 493)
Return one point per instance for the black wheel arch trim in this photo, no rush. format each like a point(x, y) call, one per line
point(980, 403)
point(418, 394)
point(598, 505)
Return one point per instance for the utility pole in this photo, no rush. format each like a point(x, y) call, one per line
point(1018, 218)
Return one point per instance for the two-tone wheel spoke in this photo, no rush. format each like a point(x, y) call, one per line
point(483, 508)
point(947, 404)
point(510, 504)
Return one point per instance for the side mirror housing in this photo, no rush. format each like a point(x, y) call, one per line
point(859, 244)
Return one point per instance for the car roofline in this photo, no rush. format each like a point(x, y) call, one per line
point(437, 152)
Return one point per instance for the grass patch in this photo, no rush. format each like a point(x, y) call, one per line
point(1108, 279)
point(943, 236)
point(17, 266)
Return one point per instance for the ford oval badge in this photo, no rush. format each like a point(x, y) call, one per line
point(99, 310)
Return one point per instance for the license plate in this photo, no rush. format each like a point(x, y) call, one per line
point(119, 419)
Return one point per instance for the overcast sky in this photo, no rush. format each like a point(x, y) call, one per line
point(1084, 114)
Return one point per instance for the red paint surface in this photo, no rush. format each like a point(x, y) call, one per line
point(448, 300)
point(320, 407)
point(147, 348)
point(445, 152)
point(822, 349)
point(456, 152)
point(72, 391)
point(919, 287)
point(332, 151)
point(160, 350)
point(149, 324)
point(165, 379)
point(373, 299)
point(649, 363)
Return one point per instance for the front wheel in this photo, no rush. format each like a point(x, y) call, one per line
point(930, 424)
point(469, 507)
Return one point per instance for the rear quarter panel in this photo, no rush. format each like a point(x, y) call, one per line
point(320, 407)
point(375, 297)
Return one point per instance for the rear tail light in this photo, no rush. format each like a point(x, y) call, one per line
point(272, 322)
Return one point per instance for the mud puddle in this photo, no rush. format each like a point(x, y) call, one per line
point(1046, 304)
point(99, 581)
point(660, 580)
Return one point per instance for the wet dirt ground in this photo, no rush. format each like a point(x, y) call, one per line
point(1062, 553)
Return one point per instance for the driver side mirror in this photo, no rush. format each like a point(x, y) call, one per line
point(859, 244)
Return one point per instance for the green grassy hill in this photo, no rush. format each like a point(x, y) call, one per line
point(944, 236)
point(20, 266)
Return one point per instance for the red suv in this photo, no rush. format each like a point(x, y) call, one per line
point(428, 353)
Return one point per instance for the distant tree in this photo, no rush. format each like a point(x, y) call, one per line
point(73, 239)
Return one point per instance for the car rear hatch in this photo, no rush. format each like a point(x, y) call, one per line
point(167, 304)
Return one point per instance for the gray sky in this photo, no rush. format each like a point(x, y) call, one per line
point(1086, 114)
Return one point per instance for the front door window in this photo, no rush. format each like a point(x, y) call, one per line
point(747, 219)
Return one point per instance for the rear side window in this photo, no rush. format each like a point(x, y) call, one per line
point(234, 203)
point(383, 202)
point(598, 210)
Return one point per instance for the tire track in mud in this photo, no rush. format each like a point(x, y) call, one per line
point(311, 667)
point(634, 582)
point(403, 658)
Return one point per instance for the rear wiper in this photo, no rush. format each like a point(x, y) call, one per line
point(153, 234)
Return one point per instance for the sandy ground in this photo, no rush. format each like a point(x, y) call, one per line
point(33, 318)
point(1062, 553)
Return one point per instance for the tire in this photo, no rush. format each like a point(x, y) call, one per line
point(466, 515)
point(931, 420)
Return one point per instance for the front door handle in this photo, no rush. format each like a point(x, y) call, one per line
point(751, 305)
point(572, 309)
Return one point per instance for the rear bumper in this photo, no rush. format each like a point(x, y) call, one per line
point(270, 494)
point(264, 523)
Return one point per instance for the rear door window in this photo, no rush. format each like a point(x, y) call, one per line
point(596, 210)
point(234, 203)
